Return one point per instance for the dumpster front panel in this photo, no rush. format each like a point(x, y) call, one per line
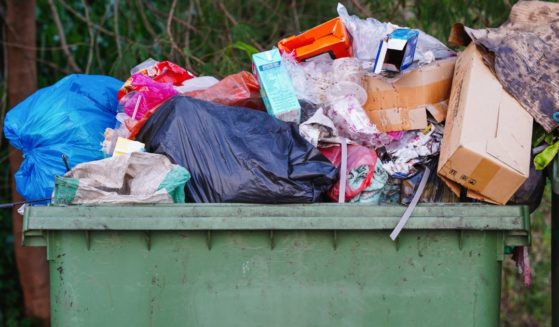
point(275, 278)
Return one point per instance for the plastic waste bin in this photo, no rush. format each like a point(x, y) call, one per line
point(266, 265)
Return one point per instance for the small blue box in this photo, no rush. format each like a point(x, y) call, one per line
point(395, 53)
point(275, 86)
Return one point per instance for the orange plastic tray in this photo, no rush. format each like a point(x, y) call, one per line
point(329, 38)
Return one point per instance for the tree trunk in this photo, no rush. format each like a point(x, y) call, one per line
point(21, 71)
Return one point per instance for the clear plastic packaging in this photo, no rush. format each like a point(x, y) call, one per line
point(337, 86)
point(368, 33)
point(150, 62)
point(352, 122)
point(401, 157)
point(311, 80)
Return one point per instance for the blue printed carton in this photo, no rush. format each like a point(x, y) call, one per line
point(395, 53)
point(275, 86)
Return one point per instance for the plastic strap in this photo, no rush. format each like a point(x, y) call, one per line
point(13, 204)
point(66, 164)
point(412, 205)
point(343, 172)
point(136, 107)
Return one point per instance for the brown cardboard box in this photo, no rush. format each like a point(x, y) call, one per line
point(487, 138)
point(401, 103)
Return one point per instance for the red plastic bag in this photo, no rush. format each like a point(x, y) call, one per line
point(361, 162)
point(241, 90)
point(167, 72)
point(162, 72)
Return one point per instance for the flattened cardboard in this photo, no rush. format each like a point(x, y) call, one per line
point(400, 103)
point(487, 139)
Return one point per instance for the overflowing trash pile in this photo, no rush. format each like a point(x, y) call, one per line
point(353, 110)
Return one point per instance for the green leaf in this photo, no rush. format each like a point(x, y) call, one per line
point(247, 48)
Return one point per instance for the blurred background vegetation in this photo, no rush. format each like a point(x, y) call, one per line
point(216, 37)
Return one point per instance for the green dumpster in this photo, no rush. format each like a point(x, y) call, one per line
point(266, 265)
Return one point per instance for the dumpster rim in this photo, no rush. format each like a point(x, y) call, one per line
point(274, 217)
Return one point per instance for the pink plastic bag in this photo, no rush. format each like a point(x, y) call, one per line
point(146, 95)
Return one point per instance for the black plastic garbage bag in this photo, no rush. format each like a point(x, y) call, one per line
point(237, 155)
point(531, 192)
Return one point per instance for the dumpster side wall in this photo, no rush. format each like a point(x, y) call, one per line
point(283, 278)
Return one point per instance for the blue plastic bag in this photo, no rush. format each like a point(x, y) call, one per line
point(68, 118)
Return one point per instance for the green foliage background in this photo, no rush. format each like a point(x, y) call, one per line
point(216, 37)
point(213, 37)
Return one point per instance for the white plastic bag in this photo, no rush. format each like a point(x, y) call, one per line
point(197, 84)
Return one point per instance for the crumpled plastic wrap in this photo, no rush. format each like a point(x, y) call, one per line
point(311, 80)
point(319, 128)
point(367, 34)
point(237, 90)
point(400, 157)
point(383, 189)
point(337, 86)
point(435, 189)
point(319, 80)
point(372, 194)
point(353, 123)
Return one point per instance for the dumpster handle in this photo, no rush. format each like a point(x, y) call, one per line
point(148, 240)
point(87, 239)
point(461, 239)
point(272, 243)
point(209, 239)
